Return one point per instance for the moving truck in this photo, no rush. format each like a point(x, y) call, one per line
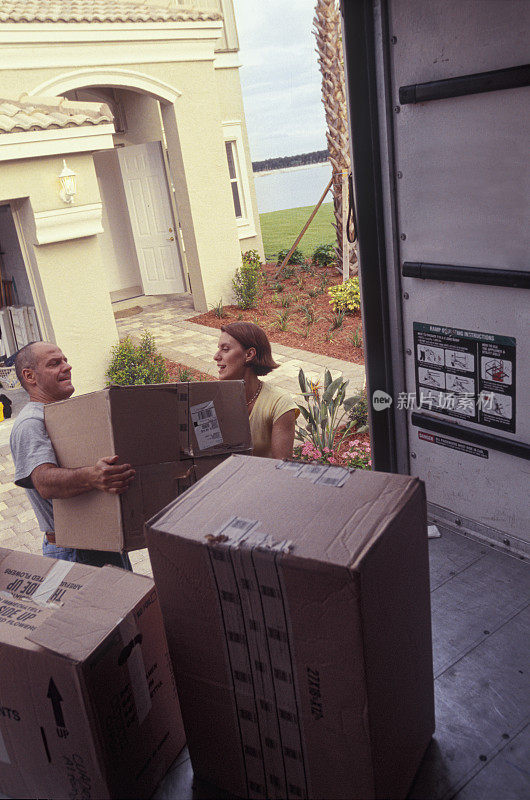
point(439, 110)
point(439, 118)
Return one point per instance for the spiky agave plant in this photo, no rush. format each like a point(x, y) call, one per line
point(324, 411)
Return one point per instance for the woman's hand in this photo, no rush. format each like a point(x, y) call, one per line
point(282, 438)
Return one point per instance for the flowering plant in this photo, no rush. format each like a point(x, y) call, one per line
point(308, 452)
point(358, 455)
point(346, 296)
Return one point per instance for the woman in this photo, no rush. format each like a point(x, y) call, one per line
point(245, 353)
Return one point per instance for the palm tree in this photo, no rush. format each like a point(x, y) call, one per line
point(329, 48)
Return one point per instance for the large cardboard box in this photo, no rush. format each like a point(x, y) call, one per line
point(152, 428)
point(296, 604)
point(87, 696)
point(214, 418)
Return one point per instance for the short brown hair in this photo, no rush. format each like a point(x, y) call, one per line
point(25, 359)
point(250, 335)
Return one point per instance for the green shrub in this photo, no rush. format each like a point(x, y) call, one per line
point(309, 314)
point(346, 296)
point(219, 309)
point(324, 255)
point(287, 272)
point(184, 375)
point(297, 257)
point(357, 408)
point(247, 280)
point(282, 320)
point(136, 364)
point(252, 257)
point(357, 338)
point(337, 319)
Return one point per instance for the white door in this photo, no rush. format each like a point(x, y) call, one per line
point(151, 215)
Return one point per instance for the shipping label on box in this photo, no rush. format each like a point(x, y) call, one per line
point(214, 418)
point(302, 642)
point(86, 682)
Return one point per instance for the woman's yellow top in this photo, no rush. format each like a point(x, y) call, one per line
point(271, 404)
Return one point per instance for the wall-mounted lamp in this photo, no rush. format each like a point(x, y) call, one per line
point(68, 184)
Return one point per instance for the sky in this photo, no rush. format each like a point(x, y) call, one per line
point(280, 77)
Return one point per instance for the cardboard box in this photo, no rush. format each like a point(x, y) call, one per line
point(152, 428)
point(88, 706)
point(296, 604)
point(214, 418)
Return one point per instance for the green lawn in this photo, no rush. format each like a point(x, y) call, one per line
point(280, 229)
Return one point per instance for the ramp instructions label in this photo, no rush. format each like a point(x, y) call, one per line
point(466, 374)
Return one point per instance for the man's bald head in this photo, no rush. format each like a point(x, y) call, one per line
point(44, 372)
point(26, 358)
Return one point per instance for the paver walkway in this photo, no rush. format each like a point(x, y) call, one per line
point(194, 345)
point(178, 340)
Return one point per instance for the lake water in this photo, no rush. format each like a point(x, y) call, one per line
point(293, 187)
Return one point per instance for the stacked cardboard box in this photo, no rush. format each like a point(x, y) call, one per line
point(172, 434)
point(88, 705)
point(296, 604)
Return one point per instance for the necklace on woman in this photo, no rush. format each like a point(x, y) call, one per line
point(249, 402)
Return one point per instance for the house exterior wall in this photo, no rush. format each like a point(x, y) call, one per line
point(67, 277)
point(199, 169)
point(190, 69)
point(202, 184)
point(231, 107)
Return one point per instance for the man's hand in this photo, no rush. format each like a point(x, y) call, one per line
point(106, 475)
point(109, 476)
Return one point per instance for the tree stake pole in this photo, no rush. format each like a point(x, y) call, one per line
point(306, 226)
point(345, 243)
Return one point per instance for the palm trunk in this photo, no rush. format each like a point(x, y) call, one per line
point(329, 47)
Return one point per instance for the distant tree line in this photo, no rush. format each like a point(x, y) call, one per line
point(316, 157)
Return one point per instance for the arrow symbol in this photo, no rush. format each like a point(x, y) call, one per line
point(55, 696)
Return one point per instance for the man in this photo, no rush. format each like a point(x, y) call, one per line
point(45, 373)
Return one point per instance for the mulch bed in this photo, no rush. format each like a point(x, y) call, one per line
point(317, 337)
point(180, 372)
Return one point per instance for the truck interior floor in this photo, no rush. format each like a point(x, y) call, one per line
point(480, 619)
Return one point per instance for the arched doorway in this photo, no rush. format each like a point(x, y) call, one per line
point(141, 244)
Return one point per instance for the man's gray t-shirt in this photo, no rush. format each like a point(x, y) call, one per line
point(30, 447)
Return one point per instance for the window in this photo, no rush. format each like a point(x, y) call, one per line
point(239, 179)
point(235, 177)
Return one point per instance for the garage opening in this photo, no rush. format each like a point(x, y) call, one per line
point(18, 319)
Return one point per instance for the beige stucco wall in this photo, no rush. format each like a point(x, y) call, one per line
point(231, 106)
point(67, 277)
point(202, 185)
point(194, 133)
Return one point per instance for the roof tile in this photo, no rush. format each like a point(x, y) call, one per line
point(44, 113)
point(101, 11)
